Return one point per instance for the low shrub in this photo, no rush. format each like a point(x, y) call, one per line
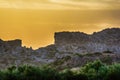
point(91, 71)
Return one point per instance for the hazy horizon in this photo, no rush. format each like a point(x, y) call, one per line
point(35, 21)
point(52, 42)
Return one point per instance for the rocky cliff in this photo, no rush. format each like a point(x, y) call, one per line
point(12, 53)
point(77, 42)
point(71, 49)
point(7, 46)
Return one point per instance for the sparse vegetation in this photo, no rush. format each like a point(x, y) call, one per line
point(98, 53)
point(107, 60)
point(88, 54)
point(108, 51)
point(78, 54)
point(92, 71)
point(61, 61)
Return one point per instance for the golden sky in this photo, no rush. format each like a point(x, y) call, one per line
point(35, 21)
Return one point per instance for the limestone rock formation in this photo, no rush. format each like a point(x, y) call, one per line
point(8, 46)
point(70, 49)
point(12, 53)
point(77, 42)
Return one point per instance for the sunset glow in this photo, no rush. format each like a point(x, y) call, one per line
point(35, 21)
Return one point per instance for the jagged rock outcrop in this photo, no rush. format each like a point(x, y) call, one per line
point(77, 42)
point(12, 53)
point(71, 49)
point(8, 46)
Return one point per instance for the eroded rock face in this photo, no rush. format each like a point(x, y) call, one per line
point(12, 53)
point(77, 42)
point(67, 50)
point(8, 46)
point(14, 43)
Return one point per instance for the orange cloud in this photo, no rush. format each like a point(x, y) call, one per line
point(60, 4)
